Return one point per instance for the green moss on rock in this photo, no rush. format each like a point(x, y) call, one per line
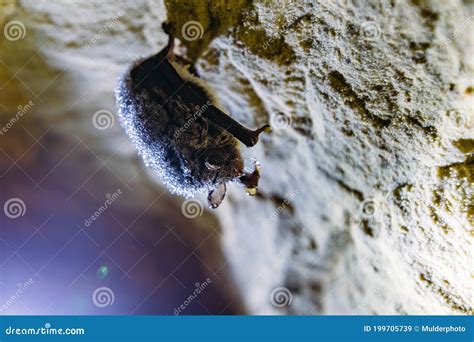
point(465, 145)
point(262, 45)
point(215, 17)
point(464, 169)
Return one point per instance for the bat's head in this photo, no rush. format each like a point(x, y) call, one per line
point(225, 164)
point(234, 169)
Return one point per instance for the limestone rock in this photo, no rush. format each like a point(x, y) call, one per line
point(365, 201)
point(366, 198)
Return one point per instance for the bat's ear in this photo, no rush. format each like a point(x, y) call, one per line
point(216, 196)
point(167, 27)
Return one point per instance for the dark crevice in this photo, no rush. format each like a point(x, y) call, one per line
point(415, 122)
point(367, 229)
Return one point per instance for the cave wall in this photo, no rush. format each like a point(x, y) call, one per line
point(365, 199)
point(365, 202)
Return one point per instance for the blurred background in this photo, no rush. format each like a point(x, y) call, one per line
point(365, 201)
point(58, 168)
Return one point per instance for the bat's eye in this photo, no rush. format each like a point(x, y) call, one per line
point(211, 166)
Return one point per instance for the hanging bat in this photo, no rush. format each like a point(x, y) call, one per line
point(179, 128)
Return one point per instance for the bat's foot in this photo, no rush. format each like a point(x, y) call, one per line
point(170, 31)
point(250, 180)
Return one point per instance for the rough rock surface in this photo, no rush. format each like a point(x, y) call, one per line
point(366, 194)
point(365, 199)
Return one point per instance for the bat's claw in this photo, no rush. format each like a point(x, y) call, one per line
point(250, 180)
